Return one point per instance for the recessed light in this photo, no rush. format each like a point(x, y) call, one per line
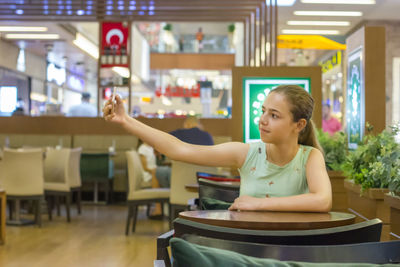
point(350, 2)
point(22, 29)
point(285, 2)
point(318, 23)
point(323, 32)
point(329, 13)
point(49, 36)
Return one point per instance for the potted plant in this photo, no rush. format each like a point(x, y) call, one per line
point(392, 199)
point(369, 169)
point(167, 27)
point(335, 151)
point(231, 30)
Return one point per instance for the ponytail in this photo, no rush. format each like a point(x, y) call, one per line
point(308, 136)
point(301, 107)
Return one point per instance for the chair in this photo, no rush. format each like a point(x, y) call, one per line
point(22, 178)
point(182, 174)
point(57, 172)
point(367, 231)
point(97, 168)
point(217, 177)
point(367, 252)
point(74, 175)
point(138, 196)
point(209, 189)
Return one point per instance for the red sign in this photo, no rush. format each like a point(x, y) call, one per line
point(114, 44)
point(179, 91)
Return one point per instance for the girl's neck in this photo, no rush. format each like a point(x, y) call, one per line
point(281, 154)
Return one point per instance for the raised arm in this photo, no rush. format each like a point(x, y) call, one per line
point(224, 155)
point(319, 198)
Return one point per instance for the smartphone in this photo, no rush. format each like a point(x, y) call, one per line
point(113, 98)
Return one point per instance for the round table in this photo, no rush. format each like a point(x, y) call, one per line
point(269, 220)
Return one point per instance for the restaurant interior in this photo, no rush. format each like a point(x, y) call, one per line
point(78, 190)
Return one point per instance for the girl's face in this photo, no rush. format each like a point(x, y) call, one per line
point(276, 122)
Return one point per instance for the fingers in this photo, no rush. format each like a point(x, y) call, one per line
point(109, 117)
point(107, 110)
point(118, 99)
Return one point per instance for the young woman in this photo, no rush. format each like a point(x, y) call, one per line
point(285, 171)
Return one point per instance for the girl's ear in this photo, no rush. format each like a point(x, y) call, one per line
point(301, 124)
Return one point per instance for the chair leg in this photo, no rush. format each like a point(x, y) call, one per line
point(50, 207)
point(39, 212)
point(162, 209)
point(134, 215)
point(67, 206)
point(57, 200)
point(78, 200)
point(148, 210)
point(128, 220)
point(171, 215)
point(106, 191)
point(10, 209)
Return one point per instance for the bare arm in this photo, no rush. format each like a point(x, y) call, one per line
point(319, 198)
point(224, 155)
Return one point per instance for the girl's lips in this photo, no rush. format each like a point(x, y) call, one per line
point(265, 131)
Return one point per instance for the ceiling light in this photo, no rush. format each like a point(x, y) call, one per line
point(351, 2)
point(22, 29)
point(329, 13)
point(284, 2)
point(322, 32)
point(318, 23)
point(83, 43)
point(41, 36)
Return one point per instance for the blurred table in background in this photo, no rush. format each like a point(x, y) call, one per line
point(98, 168)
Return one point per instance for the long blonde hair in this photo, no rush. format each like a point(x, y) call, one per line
point(302, 106)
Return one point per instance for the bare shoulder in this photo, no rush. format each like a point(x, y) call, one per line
point(237, 150)
point(315, 157)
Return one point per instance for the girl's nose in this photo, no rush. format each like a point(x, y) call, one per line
point(263, 119)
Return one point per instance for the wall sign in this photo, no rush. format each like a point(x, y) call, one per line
point(114, 44)
point(332, 62)
point(255, 90)
point(355, 107)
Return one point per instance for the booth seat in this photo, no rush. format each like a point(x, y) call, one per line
point(35, 140)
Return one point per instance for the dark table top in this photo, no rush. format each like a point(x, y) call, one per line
point(269, 220)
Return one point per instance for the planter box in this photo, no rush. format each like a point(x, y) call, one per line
point(394, 204)
point(369, 205)
point(339, 199)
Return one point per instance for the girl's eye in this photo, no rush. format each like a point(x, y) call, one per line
point(274, 116)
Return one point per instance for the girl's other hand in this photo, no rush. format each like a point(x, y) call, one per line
point(245, 203)
point(116, 114)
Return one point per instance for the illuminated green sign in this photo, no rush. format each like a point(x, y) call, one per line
point(355, 107)
point(255, 91)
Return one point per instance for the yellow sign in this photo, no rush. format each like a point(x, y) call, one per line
point(333, 61)
point(308, 42)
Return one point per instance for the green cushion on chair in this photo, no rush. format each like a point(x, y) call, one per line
point(185, 254)
point(214, 204)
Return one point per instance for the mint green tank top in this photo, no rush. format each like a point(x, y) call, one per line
point(261, 178)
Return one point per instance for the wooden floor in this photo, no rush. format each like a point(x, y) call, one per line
point(95, 238)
